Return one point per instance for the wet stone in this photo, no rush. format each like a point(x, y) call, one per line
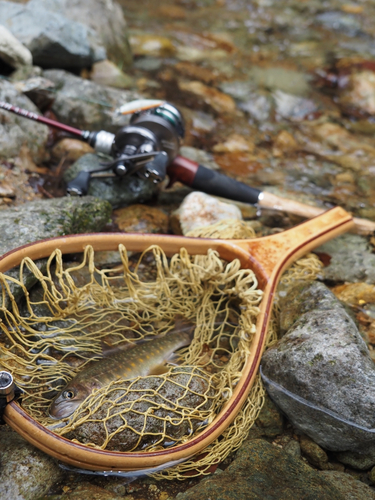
point(42, 219)
point(90, 491)
point(351, 259)
point(270, 422)
point(314, 453)
point(262, 470)
point(349, 487)
point(201, 210)
point(320, 374)
point(26, 472)
point(141, 219)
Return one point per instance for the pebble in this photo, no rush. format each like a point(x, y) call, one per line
point(151, 45)
point(235, 143)
point(108, 73)
point(70, 149)
point(314, 453)
point(218, 101)
point(361, 92)
point(200, 210)
point(141, 219)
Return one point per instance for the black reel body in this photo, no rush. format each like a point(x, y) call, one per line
point(144, 147)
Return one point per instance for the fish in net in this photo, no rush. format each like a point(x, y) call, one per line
point(64, 324)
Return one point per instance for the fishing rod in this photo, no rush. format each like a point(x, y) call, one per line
point(149, 146)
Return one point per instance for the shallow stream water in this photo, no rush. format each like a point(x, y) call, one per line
point(281, 93)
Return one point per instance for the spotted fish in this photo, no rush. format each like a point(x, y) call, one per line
point(146, 358)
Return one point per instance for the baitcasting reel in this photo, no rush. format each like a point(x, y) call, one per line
point(144, 147)
point(8, 392)
point(149, 147)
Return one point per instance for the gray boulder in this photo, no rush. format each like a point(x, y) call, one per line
point(87, 105)
point(112, 34)
point(119, 191)
point(42, 219)
point(320, 373)
point(15, 131)
point(53, 39)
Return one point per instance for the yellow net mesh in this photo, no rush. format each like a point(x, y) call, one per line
point(225, 229)
point(77, 311)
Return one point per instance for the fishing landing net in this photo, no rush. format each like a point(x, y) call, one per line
point(76, 312)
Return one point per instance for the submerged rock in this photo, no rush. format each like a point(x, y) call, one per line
point(320, 373)
point(118, 191)
point(351, 259)
point(262, 470)
point(153, 413)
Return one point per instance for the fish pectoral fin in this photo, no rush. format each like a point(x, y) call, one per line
point(174, 359)
point(159, 369)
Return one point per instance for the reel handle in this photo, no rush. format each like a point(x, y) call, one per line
point(209, 181)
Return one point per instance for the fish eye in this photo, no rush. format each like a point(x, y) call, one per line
point(68, 394)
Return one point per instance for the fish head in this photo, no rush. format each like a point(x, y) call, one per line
point(68, 401)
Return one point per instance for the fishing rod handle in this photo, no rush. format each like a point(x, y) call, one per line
point(209, 181)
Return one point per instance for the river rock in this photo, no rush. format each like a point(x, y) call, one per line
point(349, 487)
point(42, 219)
point(320, 373)
point(15, 131)
point(90, 491)
point(38, 89)
point(263, 471)
point(70, 149)
point(119, 191)
point(141, 219)
point(107, 73)
point(201, 210)
point(50, 36)
point(161, 400)
point(88, 105)
point(112, 34)
point(12, 51)
point(26, 472)
point(351, 259)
